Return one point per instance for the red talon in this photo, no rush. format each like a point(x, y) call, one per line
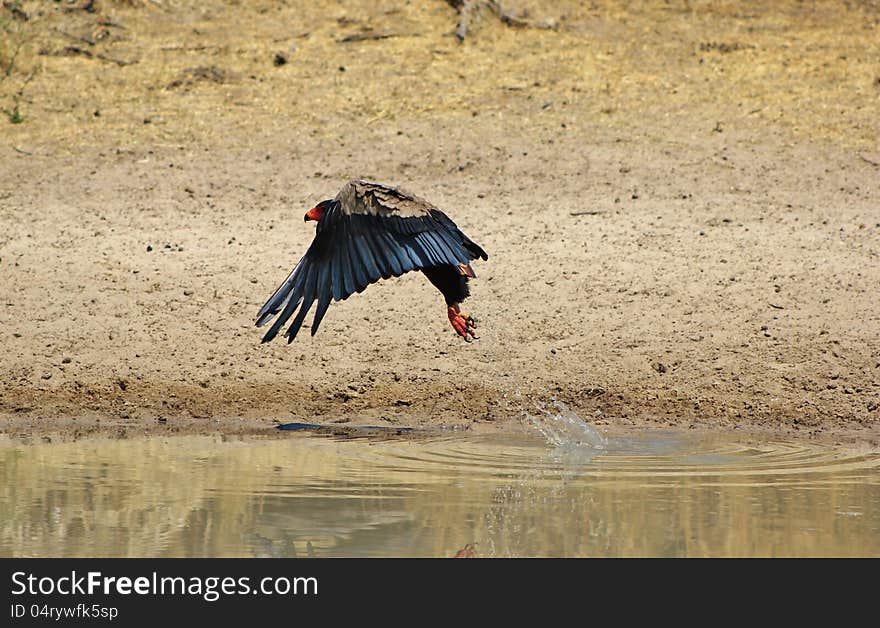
point(463, 324)
point(468, 551)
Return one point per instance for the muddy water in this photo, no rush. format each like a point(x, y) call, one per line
point(652, 494)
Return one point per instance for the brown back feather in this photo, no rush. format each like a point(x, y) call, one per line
point(365, 197)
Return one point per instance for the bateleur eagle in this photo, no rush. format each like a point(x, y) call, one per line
point(369, 232)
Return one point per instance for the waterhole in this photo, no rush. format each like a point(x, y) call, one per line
point(559, 488)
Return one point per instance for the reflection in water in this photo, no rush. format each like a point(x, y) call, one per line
point(665, 494)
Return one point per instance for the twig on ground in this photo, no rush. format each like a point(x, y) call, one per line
point(367, 35)
point(19, 44)
point(108, 22)
point(88, 5)
point(85, 40)
point(189, 48)
point(72, 51)
point(120, 62)
point(16, 10)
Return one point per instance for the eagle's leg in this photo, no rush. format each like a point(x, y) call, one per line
point(452, 281)
point(462, 322)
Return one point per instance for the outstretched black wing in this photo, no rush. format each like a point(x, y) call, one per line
point(354, 247)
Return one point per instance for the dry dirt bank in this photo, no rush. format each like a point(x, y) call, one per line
point(726, 276)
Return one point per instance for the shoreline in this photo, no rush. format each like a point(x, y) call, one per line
point(342, 419)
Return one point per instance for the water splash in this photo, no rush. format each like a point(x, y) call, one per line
point(562, 428)
point(574, 445)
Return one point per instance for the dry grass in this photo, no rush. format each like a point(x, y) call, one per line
point(808, 68)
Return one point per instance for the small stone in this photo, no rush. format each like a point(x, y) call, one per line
point(149, 248)
point(279, 59)
point(659, 367)
point(553, 350)
point(66, 360)
point(187, 293)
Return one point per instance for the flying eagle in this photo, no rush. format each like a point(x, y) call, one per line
point(369, 232)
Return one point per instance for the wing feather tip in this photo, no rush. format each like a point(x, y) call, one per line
point(291, 334)
point(268, 337)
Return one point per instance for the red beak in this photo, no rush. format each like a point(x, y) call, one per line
point(313, 214)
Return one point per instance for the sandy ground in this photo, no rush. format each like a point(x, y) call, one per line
point(725, 274)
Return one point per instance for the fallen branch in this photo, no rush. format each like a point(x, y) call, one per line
point(466, 9)
point(506, 16)
point(589, 212)
point(464, 16)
